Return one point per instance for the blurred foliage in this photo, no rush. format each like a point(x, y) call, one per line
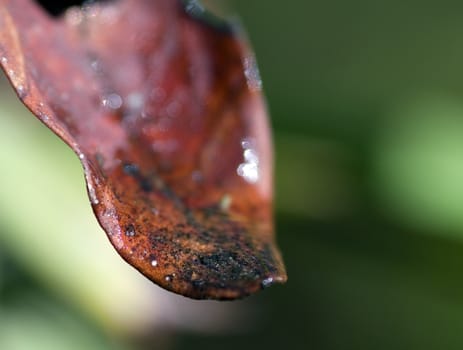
point(366, 102)
point(419, 165)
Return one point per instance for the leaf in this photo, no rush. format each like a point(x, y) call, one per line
point(165, 111)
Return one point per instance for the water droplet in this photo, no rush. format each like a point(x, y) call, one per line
point(109, 213)
point(130, 231)
point(250, 172)
point(250, 156)
point(267, 282)
point(135, 101)
point(81, 156)
point(154, 263)
point(249, 169)
point(92, 194)
point(247, 143)
point(169, 278)
point(21, 90)
point(4, 60)
point(251, 71)
point(113, 101)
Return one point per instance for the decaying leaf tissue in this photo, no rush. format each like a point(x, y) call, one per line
point(165, 111)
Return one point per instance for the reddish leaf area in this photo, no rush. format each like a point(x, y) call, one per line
point(166, 114)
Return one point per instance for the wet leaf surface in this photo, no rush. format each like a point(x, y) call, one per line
point(165, 111)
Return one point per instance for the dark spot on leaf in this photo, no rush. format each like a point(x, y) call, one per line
point(100, 160)
point(134, 171)
point(55, 9)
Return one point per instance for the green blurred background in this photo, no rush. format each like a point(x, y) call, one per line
point(366, 100)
